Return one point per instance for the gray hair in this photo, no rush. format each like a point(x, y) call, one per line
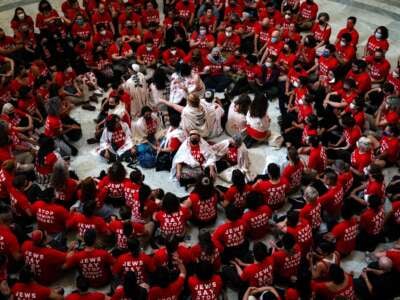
point(60, 175)
point(310, 194)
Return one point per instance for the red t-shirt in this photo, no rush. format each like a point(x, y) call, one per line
point(86, 296)
point(204, 210)
point(321, 34)
point(228, 44)
point(373, 43)
point(198, 254)
point(274, 194)
point(354, 35)
point(107, 188)
point(308, 11)
point(173, 224)
point(317, 159)
point(391, 146)
point(147, 56)
point(332, 200)
point(231, 234)
point(19, 202)
point(233, 195)
point(259, 274)
point(312, 213)
point(372, 221)
point(44, 262)
point(8, 242)
point(293, 174)
point(287, 264)
point(94, 265)
point(303, 234)
point(142, 265)
point(321, 289)
point(394, 255)
point(52, 126)
point(345, 234)
point(30, 291)
point(378, 70)
point(5, 183)
point(50, 217)
point(205, 290)
point(363, 81)
point(81, 223)
point(327, 64)
point(131, 195)
point(48, 164)
point(257, 221)
point(171, 292)
point(185, 11)
point(361, 160)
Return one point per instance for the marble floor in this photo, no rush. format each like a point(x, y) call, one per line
point(370, 14)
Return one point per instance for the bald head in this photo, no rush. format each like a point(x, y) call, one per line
point(385, 263)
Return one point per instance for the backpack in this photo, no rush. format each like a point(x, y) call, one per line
point(146, 156)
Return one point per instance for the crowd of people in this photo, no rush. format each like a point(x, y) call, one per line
point(155, 76)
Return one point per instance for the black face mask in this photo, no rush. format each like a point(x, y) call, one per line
point(321, 22)
point(216, 57)
point(285, 51)
point(195, 142)
point(111, 106)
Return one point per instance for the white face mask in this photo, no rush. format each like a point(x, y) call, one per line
point(228, 33)
point(332, 80)
point(268, 64)
point(288, 17)
point(396, 75)
point(103, 32)
point(296, 84)
point(301, 102)
point(149, 49)
point(352, 106)
point(173, 52)
point(342, 43)
point(366, 198)
point(203, 32)
point(21, 16)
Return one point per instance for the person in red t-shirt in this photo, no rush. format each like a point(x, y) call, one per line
point(345, 232)
point(338, 284)
point(130, 289)
point(134, 261)
point(50, 216)
point(44, 262)
point(82, 292)
point(312, 209)
point(203, 202)
point(261, 272)
point(172, 217)
point(147, 54)
point(171, 57)
point(322, 30)
point(205, 283)
point(379, 40)
point(372, 222)
point(307, 14)
point(101, 16)
point(167, 286)
point(94, 264)
point(9, 245)
point(258, 215)
point(82, 222)
point(388, 147)
point(25, 288)
point(202, 40)
point(345, 51)
point(287, 260)
point(20, 206)
point(231, 236)
point(351, 22)
point(274, 189)
point(378, 66)
point(293, 172)
point(360, 75)
point(206, 250)
point(388, 112)
point(238, 191)
point(332, 199)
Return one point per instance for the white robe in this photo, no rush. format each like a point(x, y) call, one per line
point(140, 129)
point(236, 122)
point(221, 149)
point(214, 113)
point(136, 87)
point(170, 134)
point(181, 87)
point(106, 139)
point(194, 118)
point(184, 155)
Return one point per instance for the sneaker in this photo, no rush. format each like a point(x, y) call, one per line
point(98, 92)
point(88, 107)
point(92, 141)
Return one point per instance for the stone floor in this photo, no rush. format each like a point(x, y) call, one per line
point(370, 14)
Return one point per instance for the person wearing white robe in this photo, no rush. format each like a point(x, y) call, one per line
point(236, 120)
point(186, 167)
point(136, 87)
point(147, 126)
point(214, 114)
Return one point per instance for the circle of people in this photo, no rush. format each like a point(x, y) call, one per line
point(154, 83)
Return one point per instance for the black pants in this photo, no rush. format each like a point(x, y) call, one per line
point(73, 134)
point(218, 82)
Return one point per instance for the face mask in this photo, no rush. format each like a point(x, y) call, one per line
point(325, 53)
point(296, 84)
point(265, 26)
point(216, 57)
point(396, 75)
point(228, 34)
point(268, 64)
point(103, 32)
point(79, 22)
point(274, 40)
point(378, 58)
point(203, 32)
point(378, 35)
point(285, 51)
point(148, 49)
point(366, 198)
point(352, 106)
point(111, 106)
point(288, 17)
point(195, 141)
point(21, 16)
point(321, 22)
point(301, 102)
point(125, 1)
point(173, 52)
point(342, 43)
point(332, 80)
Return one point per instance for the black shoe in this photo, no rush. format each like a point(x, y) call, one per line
point(74, 151)
point(94, 99)
point(92, 141)
point(88, 107)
